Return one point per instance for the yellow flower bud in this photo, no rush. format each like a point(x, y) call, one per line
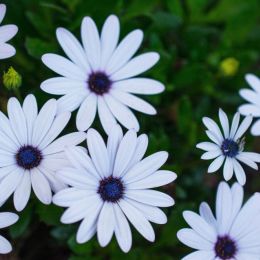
point(229, 67)
point(12, 80)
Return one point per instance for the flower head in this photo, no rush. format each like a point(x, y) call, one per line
point(30, 155)
point(113, 184)
point(228, 146)
point(98, 76)
point(7, 32)
point(6, 219)
point(253, 97)
point(233, 234)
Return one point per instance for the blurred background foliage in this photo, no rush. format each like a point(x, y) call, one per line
point(206, 47)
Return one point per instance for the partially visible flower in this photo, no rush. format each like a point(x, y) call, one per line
point(233, 234)
point(6, 219)
point(29, 153)
point(113, 184)
point(7, 32)
point(253, 97)
point(229, 67)
point(98, 76)
point(228, 146)
point(12, 79)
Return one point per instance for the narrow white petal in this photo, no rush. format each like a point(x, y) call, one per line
point(213, 127)
point(122, 113)
point(91, 42)
point(255, 130)
point(133, 102)
point(87, 112)
point(249, 109)
point(234, 126)
point(125, 50)
point(216, 164)
point(228, 169)
point(7, 32)
point(5, 246)
point(6, 51)
point(237, 196)
point(63, 67)
point(98, 152)
point(125, 153)
point(141, 86)
point(243, 127)
point(224, 122)
point(250, 96)
point(109, 39)
point(253, 81)
point(7, 219)
point(239, 171)
point(211, 155)
point(72, 48)
point(2, 12)
point(201, 255)
point(213, 137)
point(136, 66)
point(252, 156)
point(207, 146)
point(207, 215)
point(247, 160)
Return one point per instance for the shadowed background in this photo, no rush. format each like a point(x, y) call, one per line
point(206, 48)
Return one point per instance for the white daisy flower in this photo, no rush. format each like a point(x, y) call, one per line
point(98, 76)
point(7, 32)
point(253, 97)
point(233, 234)
point(111, 185)
point(29, 153)
point(6, 219)
point(228, 146)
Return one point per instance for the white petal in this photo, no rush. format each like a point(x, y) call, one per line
point(72, 100)
point(237, 196)
point(23, 192)
point(248, 109)
point(213, 137)
point(247, 160)
point(234, 126)
point(44, 121)
point(239, 171)
point(91, 42)
point(150, 197)
point(64, 67)
point(105, 224)
point(211, 155)
point(142, 86)
point(98, 152)
point(198, 224)
point(224, 122)
point(109, 39)
point(105, 115)
point(2, 12)
point(133, 102)
point(157, 179)
point(253, 81)
point(41, 186)
point(62, 86)
point(200, 255)
point(64, 141)
point(146, 167)
point(72, 48)
point(250, 96)
point(6, 51)
point(125, 50)
point(216, 164)
point(7, 32)
point(87, 112)
point(138, 220)
point(125, 153)
point(17, 120)
point(252, 156)
point(192, 239)
point(7, 158)
point(122, 230)
point(255, 130)
point(7, 219)
point(207, 146)
point(5, 246)
point(213, 127)
point(122, 113)
point(207, 215)
point(243, 127)
point(228, 169)
point(136, 66)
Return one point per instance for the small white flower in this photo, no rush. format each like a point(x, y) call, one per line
point(253, 97)
point(7, 32)
point(228, 146)
point(233, 234)
point(29, 153)
point(6, 219)
point(112, 185)
point(98, 76)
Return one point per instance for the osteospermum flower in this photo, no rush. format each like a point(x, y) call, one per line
point(7, 32)
point(29, 153)
point(228, 147)
point(233, 234)
point(6, 219)
point(113, 185)
point(253, 97)
point(99, 75)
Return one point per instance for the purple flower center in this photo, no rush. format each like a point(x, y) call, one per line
point(111, 189)
point(99, 83)
point(28, 157)
point(230, 148)
point(225, 248)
